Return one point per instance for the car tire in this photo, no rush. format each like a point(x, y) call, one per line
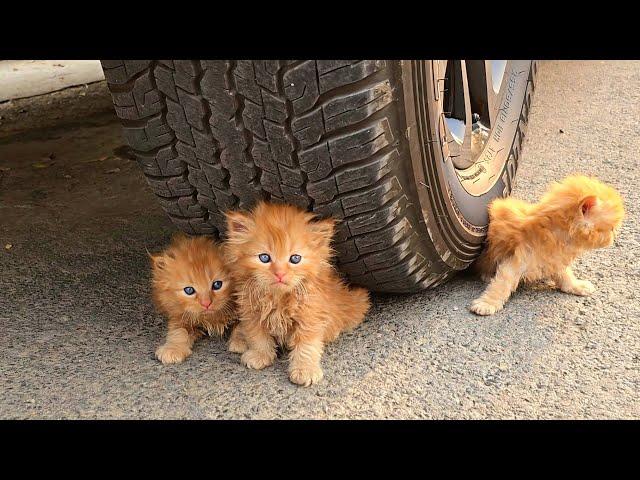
point(369, 142)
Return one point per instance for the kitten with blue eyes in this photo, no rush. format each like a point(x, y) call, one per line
point(191, 286)
point(287, 292)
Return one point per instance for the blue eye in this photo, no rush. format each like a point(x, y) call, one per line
point(295, 258)
point(189, 290)
point(264, 258)
point(217, 285)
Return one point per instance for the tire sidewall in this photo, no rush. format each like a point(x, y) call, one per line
point(456, 220)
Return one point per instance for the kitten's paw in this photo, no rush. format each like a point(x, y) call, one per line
point(581, 287)
point(256, 359)
point(482, 307)
point(237, 345)
point(172, 354)
point(306, 376)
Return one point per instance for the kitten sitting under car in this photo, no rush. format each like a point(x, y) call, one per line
point(287, 291)
point(531, 242)
point(191, 286)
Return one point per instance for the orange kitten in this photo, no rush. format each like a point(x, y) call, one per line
point(286, 289)
point(539, 241)
point(191, 286)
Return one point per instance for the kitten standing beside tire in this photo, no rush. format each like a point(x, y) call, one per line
point(530, 242)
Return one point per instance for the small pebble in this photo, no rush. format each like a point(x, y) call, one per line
point(8, 246)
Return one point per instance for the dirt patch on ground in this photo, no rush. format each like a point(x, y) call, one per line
point(68, 107)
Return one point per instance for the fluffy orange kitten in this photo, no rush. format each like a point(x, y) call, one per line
point(191, 286)
point(287, 292)
point(539, 241)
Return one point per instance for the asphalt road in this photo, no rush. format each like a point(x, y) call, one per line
point(78, 330)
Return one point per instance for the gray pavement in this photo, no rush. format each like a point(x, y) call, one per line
point(78, 330)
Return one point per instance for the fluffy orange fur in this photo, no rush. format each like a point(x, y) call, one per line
point(194, 262)
point(301, 306)
point(531, 242)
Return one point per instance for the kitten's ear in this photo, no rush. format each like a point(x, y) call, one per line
point(324, 229)
point(587, 204)
point(238, 224)
point(179, 237)
point(158, 260)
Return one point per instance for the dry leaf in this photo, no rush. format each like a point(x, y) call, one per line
point(41, 165)
point(101, 159)
point(125, 152)
point(8, 246)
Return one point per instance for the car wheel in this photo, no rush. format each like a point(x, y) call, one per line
point(406, 154)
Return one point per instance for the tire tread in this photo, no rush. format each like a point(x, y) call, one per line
point(213, 135)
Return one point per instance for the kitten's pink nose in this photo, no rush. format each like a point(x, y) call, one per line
point(280, 276)
point(205, 303)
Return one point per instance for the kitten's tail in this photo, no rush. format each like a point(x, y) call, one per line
point(483, 267)
point(359, 304)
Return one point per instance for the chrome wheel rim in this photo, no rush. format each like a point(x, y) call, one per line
point(474, 98)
